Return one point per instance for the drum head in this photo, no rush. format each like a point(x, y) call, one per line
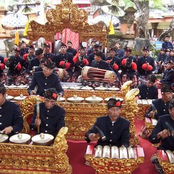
point(42, 139)
point(20, 138)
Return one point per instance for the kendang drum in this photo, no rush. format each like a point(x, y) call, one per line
point(96, 74)
point(113, 159)
point(43, 139)
point(166, 160)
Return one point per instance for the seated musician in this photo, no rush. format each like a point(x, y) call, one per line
point(2, 67)
point(168, 77)
point(51, 116)
point(45, 79)
point(128, 66)
point(15, 66)
point(114, 127)
point(148, 90)
point(113, 61)
point(79, 61)
point(161, 135)
point(11, 120)
point(160, 106)
point(99, 63)
point(35, 62)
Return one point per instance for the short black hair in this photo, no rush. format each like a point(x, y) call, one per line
point(2, 89)
point(38, 51)
point(171, 104)
point(99, 54)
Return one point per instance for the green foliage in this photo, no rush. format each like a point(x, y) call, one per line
point(157, 4)
point(128, 4)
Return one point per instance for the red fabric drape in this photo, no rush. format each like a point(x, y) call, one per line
point(68, 35)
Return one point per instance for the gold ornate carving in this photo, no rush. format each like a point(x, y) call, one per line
point(67, 15)
point(113, 166)
point(81, 116)
point(89, 93)
point(167, 167)
point(142, 109)
point(16, 92)
point(33, 159)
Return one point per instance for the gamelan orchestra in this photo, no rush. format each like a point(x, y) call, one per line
point(47, 99)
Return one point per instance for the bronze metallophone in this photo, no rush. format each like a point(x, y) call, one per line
point(166, 160)
point(114, 160)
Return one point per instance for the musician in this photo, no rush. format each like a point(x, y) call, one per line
point(170, 56)
point(45, 79)
point(148, 90)
point(161, 60)
point(128, 66)
point(119, 53)
point(92, 55)
point(11, 120)
point(51, 116)
point(15, 64)
point(23, 49)
point(46, 51)
point(91, 48)
point(64, 59)
point(2, 67)
point(79, 61)
point(161, 135)
point(160, 106)
point(29, 56)
point(168, 77)
point(145, 64)
point(114, 127)
point(36, 61)
point(70, 49)
point(113, 60)
point(99, 63)
point(167, 44)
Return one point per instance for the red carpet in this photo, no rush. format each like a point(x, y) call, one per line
point(77, 150)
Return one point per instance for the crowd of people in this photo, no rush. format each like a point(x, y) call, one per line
point(27, 60)
point(42, 64)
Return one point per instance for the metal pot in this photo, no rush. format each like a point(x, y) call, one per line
point(20, 138)
point(43, 139)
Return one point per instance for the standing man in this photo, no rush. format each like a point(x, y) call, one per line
point(167, 44)
point(52, 116)
point(11, 120)
point(45, 79)
point(145, 64)
point(15, 64)
point(129, 67)
point(114, 127)
point(118, 51)
point(46, 51)
point(36, 61)
point(113, 61)
point(70, 49)
point(64, 59)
